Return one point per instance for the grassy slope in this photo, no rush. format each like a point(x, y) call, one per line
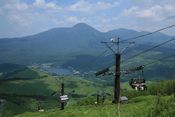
point(17, 72)
point(137, 107)
point(43, 85)
point(46, 85)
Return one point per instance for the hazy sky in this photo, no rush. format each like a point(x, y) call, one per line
point(26, 17)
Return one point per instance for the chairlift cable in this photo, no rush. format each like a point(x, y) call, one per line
point(133, 38)
point(158, 60)
point(150, 64)
point(147, 50)
point(86, 65)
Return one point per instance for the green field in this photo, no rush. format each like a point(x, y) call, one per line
point(142, 106)
point(23, 97)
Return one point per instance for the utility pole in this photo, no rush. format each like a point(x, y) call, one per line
point(98, 97)
point(117, 69)
point(117, 66)
point(117, 79)
point(63, 98)
point(62, 93)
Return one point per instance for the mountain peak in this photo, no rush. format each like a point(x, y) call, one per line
point(81, 25)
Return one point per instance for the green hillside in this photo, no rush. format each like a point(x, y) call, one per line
point(10, 71)
point(142, 106)
point(24, 97)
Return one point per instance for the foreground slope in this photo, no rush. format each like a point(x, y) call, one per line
point(142, 106)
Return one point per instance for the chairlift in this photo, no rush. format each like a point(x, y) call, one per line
point(102, 72)
point(101, 96)
point(138, 83)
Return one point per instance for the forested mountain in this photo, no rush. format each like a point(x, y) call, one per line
point(62, 44)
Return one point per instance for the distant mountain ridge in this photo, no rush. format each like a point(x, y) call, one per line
point(62, 44)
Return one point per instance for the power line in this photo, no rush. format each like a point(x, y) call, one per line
point(94, 60)
point(159, 60)
point(133, 38)
point(149, 49)
point(117, 71)
point(150, 63)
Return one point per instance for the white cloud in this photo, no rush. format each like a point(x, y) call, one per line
point(85, 6)
point(153, 12)
point(104, 15)
point(39, 2)
point(72, 20)
point(130, 11)
point(103, 5)
point(16, 6)
point(44, 5)
point(81, 6)
point(16, 19)
point(28, 18)
point(156, 12)
point(24, 14)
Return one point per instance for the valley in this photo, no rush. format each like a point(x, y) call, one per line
point(23, 97)
point(32, 69)
point(87, 58)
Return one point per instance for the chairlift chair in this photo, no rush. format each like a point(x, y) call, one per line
point(138, 83)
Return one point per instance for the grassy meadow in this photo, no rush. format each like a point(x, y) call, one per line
point(23, 97)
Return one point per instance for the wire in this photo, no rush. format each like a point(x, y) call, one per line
point(133, 38)
point(148, 64)
point(149, 49)
point(159, 60)
point(84, 66)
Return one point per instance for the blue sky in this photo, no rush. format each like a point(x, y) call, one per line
point(26, 17)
